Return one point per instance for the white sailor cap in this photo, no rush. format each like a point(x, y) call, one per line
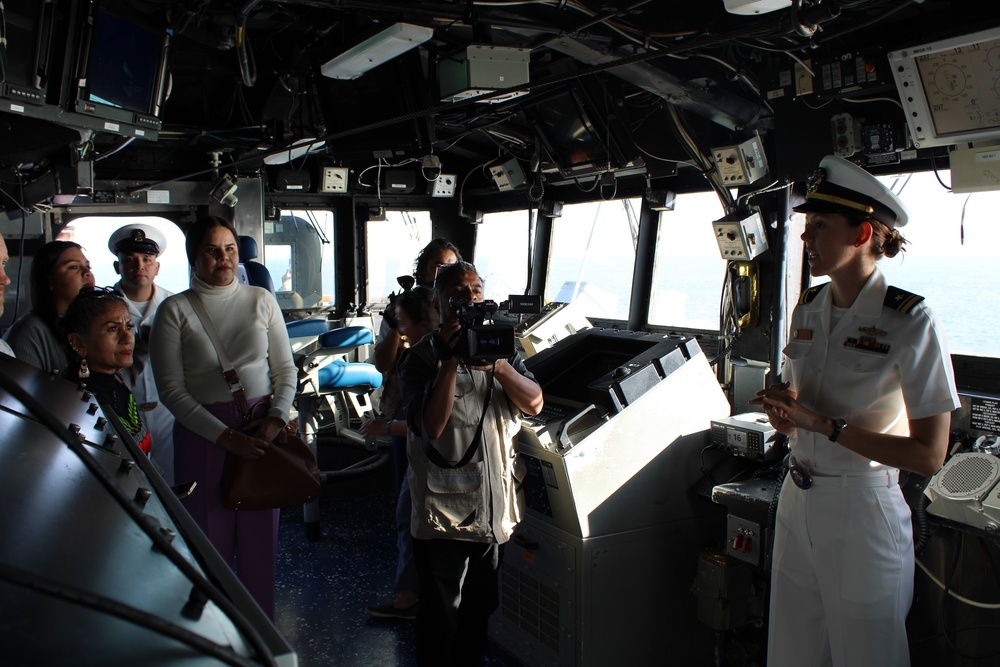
point(840, 186)
point(137, 238)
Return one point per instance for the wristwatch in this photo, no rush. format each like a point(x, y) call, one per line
point(838, 426)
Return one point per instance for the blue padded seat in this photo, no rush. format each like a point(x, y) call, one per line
point(341, 374)
point(347, 337)
point(312, 326)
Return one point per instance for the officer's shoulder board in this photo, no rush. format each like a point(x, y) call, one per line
point(810, 294)
point(901, 300)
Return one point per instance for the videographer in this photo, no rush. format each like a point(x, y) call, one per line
point(392, 342)
point(464, 474)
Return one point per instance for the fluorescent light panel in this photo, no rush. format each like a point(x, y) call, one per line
point(394, 41)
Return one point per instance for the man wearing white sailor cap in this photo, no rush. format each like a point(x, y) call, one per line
point(868, 390)
point(138, 247)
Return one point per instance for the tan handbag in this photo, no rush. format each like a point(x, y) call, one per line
point(286, 475)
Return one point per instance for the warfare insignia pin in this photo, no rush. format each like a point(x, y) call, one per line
point(872, 331)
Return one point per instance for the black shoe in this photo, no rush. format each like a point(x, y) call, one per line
point(387, 611)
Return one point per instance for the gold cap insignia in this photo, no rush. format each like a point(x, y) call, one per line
point(815, 178)
point(138, 236)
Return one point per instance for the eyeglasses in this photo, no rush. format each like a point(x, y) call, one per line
point(94, 292)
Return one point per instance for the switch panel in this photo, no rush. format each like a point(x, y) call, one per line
point(444, 185)
point(334, 179)
point(741, 164)
point(744, 540)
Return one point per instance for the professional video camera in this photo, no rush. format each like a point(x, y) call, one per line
point(480, 341)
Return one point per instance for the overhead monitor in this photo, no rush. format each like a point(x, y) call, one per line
point(26, 38)
point(121, 70)
point(580, 133)
point(950, 89)
point(350, 108)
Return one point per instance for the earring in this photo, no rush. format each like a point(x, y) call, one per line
point(84, 372)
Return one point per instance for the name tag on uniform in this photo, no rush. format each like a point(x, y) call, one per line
point(802, 334)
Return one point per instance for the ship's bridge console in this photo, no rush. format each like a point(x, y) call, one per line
point(614, 402)
point(611, 522)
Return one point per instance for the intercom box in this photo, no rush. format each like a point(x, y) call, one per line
point(740, 235)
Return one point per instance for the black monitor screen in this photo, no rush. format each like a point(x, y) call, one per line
point(375, 97)
point(568, 374)
point(24, 58)
point(571, 134)
point(124, 64)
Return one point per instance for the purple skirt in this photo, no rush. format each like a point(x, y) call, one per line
point(247, 540)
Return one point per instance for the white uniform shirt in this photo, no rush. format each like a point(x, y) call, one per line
point(877, 368)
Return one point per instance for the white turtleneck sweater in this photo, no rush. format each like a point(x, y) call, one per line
point(186, 366)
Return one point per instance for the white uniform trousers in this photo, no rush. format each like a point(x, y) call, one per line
point(842, 575)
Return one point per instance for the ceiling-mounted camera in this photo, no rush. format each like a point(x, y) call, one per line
point(431, 167)
point(224, 191)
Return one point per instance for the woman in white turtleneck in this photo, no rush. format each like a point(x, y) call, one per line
point(208, 424)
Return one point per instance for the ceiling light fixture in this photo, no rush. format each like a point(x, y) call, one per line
point(394, 41)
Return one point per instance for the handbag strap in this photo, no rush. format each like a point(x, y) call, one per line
point(229, 373)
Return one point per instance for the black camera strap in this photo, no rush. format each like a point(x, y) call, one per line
point(435, 457)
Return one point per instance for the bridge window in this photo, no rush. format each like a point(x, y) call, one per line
point(393, 245)
point(950, 258)
point(502, 253)
point(299, 255)
point(689, 272)
point(93, 232)
point(592, 257)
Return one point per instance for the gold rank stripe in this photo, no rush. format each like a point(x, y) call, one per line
point(833, 199)
point(907, 303)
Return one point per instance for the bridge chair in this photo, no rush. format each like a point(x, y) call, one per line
point(326, 376)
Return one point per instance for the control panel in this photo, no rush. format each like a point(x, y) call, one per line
point(748, 435)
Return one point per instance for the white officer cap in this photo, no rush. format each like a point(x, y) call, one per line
point(137, 238)
point(840, 186)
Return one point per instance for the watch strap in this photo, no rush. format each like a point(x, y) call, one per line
point(838, 427)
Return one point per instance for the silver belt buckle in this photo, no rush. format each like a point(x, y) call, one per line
point(800, 476)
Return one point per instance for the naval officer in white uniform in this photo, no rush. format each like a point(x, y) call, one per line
point(869, 390)
point(138, 248)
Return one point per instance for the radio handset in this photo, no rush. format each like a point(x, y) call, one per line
point(743, 289)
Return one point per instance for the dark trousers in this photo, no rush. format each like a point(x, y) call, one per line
point(458, 593)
